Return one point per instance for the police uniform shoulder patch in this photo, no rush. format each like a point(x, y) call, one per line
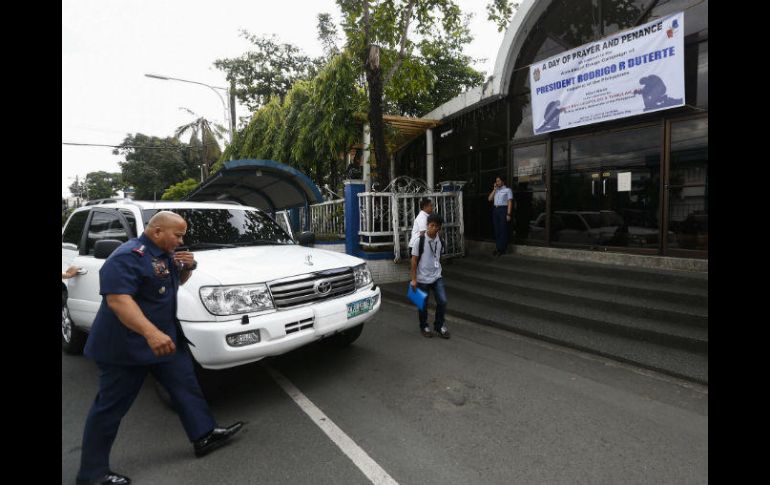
point(139, 250)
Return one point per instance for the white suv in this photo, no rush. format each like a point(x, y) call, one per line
point(256, 291)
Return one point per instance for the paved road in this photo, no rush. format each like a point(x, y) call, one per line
point(486, 407)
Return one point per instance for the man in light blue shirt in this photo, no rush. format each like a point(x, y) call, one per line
point(502, 197)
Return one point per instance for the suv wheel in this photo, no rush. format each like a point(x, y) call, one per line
point(72, 339)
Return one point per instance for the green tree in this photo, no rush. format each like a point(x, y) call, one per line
point(501, 11)
point(311, 126)
point(327, 35)
point(152, 164)
point(269, 70)
point(384, 34)
point(180, 190)
point(102, 185)
point(437, 72)
point(78, 188)
point(203, 136)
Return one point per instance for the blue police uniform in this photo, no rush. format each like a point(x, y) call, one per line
point(141, 269)
point(500, 211)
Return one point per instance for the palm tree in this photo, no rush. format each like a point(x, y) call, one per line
point(209, 132)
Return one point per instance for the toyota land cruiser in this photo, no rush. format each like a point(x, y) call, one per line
point(256, 291)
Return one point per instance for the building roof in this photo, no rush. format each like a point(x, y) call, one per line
point(404, 128)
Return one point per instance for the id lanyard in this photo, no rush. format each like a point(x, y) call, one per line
point(434, 250)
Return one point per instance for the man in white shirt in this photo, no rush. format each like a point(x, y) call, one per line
point(425, 274)
point(421, 221)
point(501, 213)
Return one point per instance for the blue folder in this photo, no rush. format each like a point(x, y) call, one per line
point(417, 296)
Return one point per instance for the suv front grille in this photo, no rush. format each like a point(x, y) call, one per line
point(312, 287)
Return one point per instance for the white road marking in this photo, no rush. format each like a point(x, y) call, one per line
point(358, 456)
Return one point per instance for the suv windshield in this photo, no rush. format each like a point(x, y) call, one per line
point(217, 228)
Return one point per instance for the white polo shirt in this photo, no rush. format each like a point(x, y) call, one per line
point(502, 196)
point(420, 224)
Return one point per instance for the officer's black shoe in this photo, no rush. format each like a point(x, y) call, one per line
point(110, 478)
point(216, 438)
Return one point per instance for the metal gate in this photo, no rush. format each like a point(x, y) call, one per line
point(386, 220)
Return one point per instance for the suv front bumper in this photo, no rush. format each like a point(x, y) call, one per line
point(212, 351)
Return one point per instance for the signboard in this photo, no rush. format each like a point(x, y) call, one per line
point(624, 181)
point(629, 73)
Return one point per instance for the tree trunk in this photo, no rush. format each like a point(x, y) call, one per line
point(376, 125)
point(335, 174)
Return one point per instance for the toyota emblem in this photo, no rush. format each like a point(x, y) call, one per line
point(323, 287)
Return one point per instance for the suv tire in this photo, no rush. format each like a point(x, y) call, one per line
point(72, 338)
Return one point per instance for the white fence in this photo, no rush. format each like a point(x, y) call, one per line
point(386, 220)
point(375, 227)
point(327, 219)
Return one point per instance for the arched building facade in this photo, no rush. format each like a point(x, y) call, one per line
point(566, 182)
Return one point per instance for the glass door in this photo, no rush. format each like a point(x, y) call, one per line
point(529, 191)
point(606, 190)
point(687, 189)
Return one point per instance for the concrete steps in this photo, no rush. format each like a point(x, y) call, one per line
point(657, 319)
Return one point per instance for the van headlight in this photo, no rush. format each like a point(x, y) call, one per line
point(232, 300)
point(363, 275)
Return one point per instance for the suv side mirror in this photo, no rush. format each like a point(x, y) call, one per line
point(306, 238)
point(104, 247)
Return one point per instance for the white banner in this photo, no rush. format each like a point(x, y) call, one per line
point(629, 73)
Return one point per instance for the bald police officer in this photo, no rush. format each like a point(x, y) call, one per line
point(136, 332)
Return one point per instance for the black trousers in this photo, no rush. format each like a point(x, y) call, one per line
point(118, 387)
point(501, 227)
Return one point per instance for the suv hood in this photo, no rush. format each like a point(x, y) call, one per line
point(259, 264)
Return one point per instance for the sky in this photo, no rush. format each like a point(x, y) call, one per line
point(109, 45)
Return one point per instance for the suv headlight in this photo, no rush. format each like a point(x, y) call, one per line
point(363, 276)
point(232, 300)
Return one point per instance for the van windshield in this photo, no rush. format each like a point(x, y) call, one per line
point(218, 228)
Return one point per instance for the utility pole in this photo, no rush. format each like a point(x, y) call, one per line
point(232, 110)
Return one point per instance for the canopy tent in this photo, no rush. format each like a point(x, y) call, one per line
point(265, 184)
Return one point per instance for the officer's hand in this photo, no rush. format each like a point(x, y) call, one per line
point(414, 284)
point(161, 344)
point(184, 259)
point(71, 272)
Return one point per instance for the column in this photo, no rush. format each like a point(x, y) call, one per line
point(352, 219)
